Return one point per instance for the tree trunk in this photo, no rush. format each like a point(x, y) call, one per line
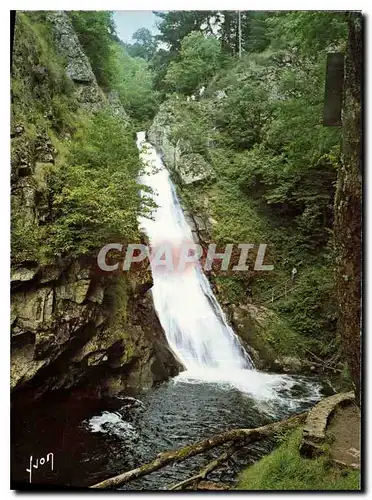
point(169, 457)
point(348, 206)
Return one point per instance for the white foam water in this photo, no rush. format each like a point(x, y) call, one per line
point(194, 323)
point(111, 423)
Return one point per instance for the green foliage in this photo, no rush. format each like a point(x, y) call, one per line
point(159, 65)
point(237, 221)
point(189, 124)
point(309, 31)
point(144, 45)
point(117, 66)
point(311, 310)
point(95, 194)
point(241, 116)
point(96, 32)
point(288, 158)
point(43, 105)
point(285, 469)
point(199, 60)
point(25, 237)
point(275, 169)
point(39, 80)
point(90, 196)
point(175, 25)
point(133, 80)
point(283, 339)
point(254, 30)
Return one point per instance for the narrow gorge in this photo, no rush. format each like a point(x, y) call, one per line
point(132, 144)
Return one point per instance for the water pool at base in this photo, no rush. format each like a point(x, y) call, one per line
point(96, 439)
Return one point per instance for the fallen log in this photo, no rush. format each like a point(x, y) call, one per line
point(169, 457)
point(212, 486)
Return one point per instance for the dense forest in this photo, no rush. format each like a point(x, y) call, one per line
point(234, 103)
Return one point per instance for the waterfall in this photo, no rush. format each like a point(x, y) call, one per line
point(194, 323)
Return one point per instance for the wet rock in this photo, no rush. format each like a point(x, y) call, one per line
point(96, 294)
point(249, 323)
point(70, 319)
point(254, 355)
point(50, 273)
point(289, 364)
point(33, 307)
point(24, 367)
point(96, 358)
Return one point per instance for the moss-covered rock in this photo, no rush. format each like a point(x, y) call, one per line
point(178, 155)
point(70, 324)
point(271, 343)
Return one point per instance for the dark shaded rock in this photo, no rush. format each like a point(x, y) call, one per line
point(22, 274)
point(66, 332)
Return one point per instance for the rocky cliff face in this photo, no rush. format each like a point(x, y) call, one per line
point(70, 325)
point(78, 68)
point(178, 155)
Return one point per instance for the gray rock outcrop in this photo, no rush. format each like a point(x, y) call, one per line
point(67, 331)
point(179, 157)
point(78, 68)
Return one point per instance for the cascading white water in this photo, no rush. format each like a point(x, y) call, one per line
point(194, 323)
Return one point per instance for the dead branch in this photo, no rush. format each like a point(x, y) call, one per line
point(206, 470)
point(326, 365)
point(168, 457)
